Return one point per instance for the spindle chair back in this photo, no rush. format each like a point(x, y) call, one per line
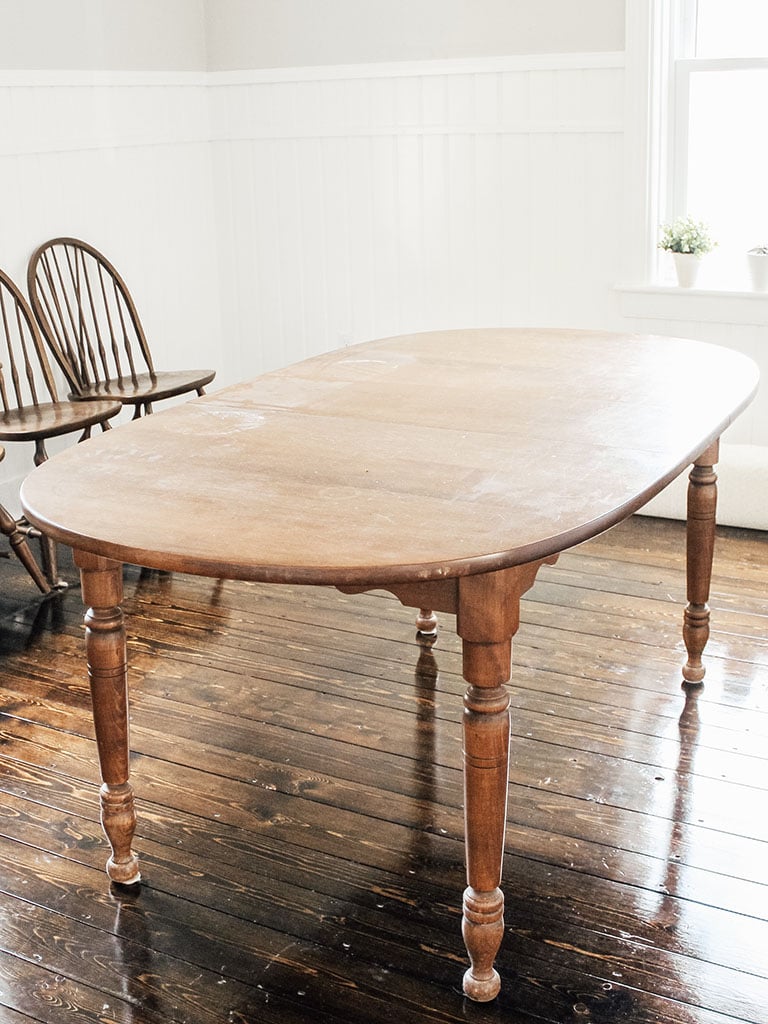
point(25, 373)
point(93, 329)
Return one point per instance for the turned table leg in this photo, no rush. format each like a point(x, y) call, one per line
point(486, 774)
point(102, 588)
point(488, 616)
point(700, 545)
point(487, 609)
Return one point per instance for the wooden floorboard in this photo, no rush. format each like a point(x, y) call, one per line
point(297, 768)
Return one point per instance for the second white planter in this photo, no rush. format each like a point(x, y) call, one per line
point(758, 270)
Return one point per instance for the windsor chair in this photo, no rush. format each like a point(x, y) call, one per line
point(30, 409)
point(92, 327)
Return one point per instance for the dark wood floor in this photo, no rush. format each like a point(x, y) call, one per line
point(297, 770)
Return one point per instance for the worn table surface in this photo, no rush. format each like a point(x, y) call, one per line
point(409, 458)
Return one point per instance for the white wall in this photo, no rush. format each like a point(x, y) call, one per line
point(247, 34)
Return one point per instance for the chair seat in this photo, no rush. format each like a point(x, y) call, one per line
point(53, 418)
point(147, 387)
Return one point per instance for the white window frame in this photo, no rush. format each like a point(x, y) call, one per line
point(649, 30)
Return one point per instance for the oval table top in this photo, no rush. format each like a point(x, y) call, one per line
point(411, 458)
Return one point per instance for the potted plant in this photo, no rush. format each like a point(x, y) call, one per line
point(688, 240)
point(757, 259)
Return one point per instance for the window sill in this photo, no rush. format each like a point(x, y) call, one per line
point(704, 305)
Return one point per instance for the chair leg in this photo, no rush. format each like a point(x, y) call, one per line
point(50, 560)
point(18, 541)
point(47, 546)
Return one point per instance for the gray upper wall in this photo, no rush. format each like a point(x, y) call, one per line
point(295, 33)
point(108, 35)
point(224, 35)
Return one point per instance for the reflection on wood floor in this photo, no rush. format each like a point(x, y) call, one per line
point(296, 763)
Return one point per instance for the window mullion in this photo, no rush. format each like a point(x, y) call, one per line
point(677, 176)
point(685, 17)
point(648, 68)
point(681, 26)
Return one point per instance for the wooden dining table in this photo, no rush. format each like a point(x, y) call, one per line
point(443, 467)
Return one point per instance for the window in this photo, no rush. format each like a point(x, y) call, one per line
point(731, 28)
point(717, 144)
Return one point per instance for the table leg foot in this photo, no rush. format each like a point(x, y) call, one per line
point(482, 929)
point(118, 819)
point(426, 623)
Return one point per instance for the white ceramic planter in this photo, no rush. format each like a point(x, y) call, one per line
point(687, 267)
point(758, 270)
